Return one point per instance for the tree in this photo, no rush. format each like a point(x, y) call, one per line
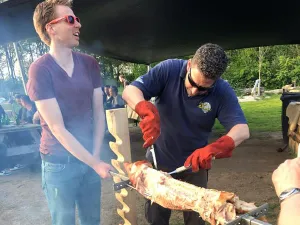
point(137, 70)
point(10, 60)
point(261, 54)
point(274, 66)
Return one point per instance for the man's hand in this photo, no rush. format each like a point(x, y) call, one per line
point(150, 123)
point(287, 175)
point(202, 157)
point(103, 169)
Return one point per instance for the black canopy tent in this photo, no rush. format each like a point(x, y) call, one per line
point(146, 31)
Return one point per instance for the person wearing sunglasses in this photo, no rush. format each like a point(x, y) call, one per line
point(189, 96)
point(66, 88)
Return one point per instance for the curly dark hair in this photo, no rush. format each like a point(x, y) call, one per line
point(211, 60)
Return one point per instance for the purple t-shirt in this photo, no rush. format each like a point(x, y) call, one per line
point(74, 96)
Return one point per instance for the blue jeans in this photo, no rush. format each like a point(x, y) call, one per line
point(67, 185)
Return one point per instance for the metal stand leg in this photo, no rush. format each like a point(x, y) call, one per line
point(282, 148)
point(249, 220)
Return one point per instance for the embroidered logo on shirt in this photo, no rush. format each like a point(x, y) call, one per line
point(205, 106)
point(140, 79)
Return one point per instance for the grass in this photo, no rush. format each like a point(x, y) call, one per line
point(263, 115)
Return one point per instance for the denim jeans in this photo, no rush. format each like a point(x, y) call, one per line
point(70, 185)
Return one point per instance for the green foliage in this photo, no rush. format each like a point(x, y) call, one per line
point(243, 68)
point(137, 70)
point(289, 70)
point(280, 65)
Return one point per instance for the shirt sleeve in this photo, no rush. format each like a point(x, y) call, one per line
point(39, 85)
point(95, 74)
point(153, 82)
point(230, 112)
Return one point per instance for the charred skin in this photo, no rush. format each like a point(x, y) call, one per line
point(216, 207)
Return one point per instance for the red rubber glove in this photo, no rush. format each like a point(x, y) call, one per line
point(150, 123)
point(201, 158)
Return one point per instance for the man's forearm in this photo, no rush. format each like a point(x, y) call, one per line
point(289, 213)
point(132, 95)
point(99, 129)
point(239, 133)
point(73, 146)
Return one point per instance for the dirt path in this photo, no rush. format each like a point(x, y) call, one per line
point(247, 173)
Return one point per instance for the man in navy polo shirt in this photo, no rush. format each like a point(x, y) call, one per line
point(190, 95)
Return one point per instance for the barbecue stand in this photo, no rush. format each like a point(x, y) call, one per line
point(250, 218)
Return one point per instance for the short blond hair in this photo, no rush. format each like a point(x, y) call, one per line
point(43, 14)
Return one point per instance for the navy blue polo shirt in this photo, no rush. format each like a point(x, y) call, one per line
point(186, 122)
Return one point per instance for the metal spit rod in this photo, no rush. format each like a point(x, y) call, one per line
point(249, 220)
point(251, 217)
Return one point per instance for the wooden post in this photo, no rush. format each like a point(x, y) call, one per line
point(117, 123)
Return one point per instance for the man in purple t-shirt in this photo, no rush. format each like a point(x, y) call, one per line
point(66, 87)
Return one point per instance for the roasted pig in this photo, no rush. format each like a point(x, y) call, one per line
point(215, 207)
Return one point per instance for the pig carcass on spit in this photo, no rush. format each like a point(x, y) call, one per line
point(215, 207)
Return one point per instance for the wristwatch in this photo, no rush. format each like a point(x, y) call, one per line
point(287, 193)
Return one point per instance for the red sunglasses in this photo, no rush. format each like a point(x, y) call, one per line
point(69, 19)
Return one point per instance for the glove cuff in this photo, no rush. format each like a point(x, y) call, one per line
point(227, 141)
point(143, 107)
point(140, 107)
point(224, 147)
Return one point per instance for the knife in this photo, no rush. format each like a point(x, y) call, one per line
point(123, 184)
point(151, 149)
point(180, 169)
